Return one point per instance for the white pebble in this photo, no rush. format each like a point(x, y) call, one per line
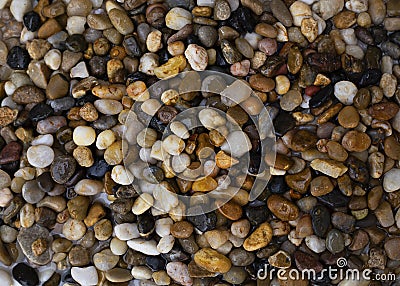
point(345, 91)
point(299, 11)
point(148, 247)
point(177, 18)
point(237, 144)
point(53, 59)
point(179, 163)
point(208, 3)
point(87, 187)
point(79, 71)
point(163, 226)
point(85, 276)
point(236, 93)
point(357, 6)
point(46, 139)
point(5, 197)
point(197, 57)
point(126, 231)
point(19, 8)
point(26, 36)
point(355, 51)
point(118, 247)
point(121, 176)
point(151, 106)
point(84, 136)
point(349, 36)
point(76, 25)
point(391, 181)
point(144, 202)
point(141, 272)
point(105, 139)
point(148, 62)
point(165, 244)
point(40, 156)
point(173, 145)
point(179, 129)
point(5, 277)
point(145, 156)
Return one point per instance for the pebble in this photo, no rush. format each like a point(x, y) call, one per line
point(391, 248)
point(40, 156)
point(259, 238)
point(126, 231)
point(39, 237)
point(105, 260)
point(177, 18)
point(84, 136)
point(356, 141)
point(197, 57)
point(85, 275)
point(212, 260)
point(179, 272)
point(329, 167)
point(281, 12)
point(62, 168)
point(345, 91)
point(25, 275)
point(31, 192)
point(74, 229)
point(335, 241)
point(118, 275)
point(5, 277)
point(146, 247)
point(299, 11)
point(390, 180)
point(290, 100)
point(87, 187)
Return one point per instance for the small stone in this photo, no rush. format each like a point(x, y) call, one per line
point(282, 208)
point(268, 46)
point(35, 235)
point(84, 136)
point(309, 28)
point(391, 183)
point(178, 271)
point(87, 187)
point(85, 276)
point(260, 238)
point(391, 248)
point(329, 167)
point(240, 228)
point(118, 275)
point(281, 12)
point(335, 241)
point(197, 57)
point(356, 141)
point(177, 18)
point(146, 247)
point(105, 260)
point(5, 277)
point(32, 21)
point(24, 274)
point(212, 260)
point(40, 156)
point(31, 192)
point(299, 11)
point(345, 91)
point(290, 100)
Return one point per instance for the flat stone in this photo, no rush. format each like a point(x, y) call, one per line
point(260, 238)
point(329, 167)
point(212, 260)
point(27, 236)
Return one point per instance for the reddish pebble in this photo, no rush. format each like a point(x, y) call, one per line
point(311, 90)
point(10, 153)
point(268, 46)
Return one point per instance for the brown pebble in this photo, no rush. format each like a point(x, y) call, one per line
point(383, 110)
point(282, 208)
point(182, 229)
point(348, 117)
point(356, 141)
point(259, 238)
point(230, 209)
point(28, 94)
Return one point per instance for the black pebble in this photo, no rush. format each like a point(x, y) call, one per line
point(76, 43)
point(202, 221)
point(40, 111)
point(98, 169)
point(334, 199)
point(146, 224)
point(18, 58)
point(32, 21)
point(256, 212)
point(321, 220)
point(370, 77)
point(283, 123)
point(277, 185)
point(45, 182)
point(25, 275)
point(321, 96)
point(155, 263)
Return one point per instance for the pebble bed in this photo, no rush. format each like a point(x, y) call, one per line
point(72, 213)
